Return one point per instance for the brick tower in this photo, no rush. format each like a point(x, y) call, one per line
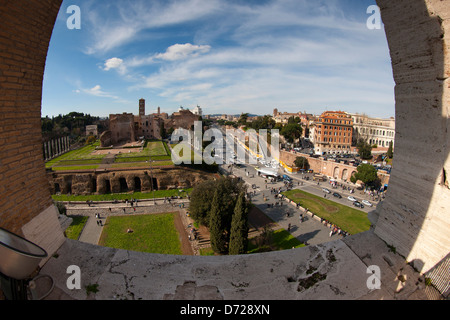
point(142, 107)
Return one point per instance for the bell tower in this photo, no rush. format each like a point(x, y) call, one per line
point(142, 107)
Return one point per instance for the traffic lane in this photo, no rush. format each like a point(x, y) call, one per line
point(285, 215)
point(310, 186)
point(317, 189)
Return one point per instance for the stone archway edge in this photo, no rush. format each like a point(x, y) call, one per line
point(413, 219)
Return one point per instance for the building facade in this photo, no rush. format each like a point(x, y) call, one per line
point(375, 131)
point(333, 133)
point(198, 111)
point(127, 127)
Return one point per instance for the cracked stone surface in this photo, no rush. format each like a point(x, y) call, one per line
point(333, 270)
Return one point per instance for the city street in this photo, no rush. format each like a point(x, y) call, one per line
point(285, 214)
point(311, 230)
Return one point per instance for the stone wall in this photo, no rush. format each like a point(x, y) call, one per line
point(182, 119)
point(121, 127)
point(319, 165)
point(26, 28)
point(101, 182)
point(415, 216)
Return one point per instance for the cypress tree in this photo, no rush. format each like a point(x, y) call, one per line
point(390, 153)
point(216, 229)
point(239, 227)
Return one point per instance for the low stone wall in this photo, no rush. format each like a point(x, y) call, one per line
point(329, 168)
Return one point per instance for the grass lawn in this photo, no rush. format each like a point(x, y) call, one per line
point(122, 196)
point(69, 168)
point(180, 154)
point(155, 233)
point(142, 164)
point(131, 165)
point(65, 163)
point(279, 240)
point(154, 149)
point(207, 252)
point(83, 153)
point(349, 219)
point(74, 230)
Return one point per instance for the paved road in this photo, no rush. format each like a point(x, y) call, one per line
point(311, 230)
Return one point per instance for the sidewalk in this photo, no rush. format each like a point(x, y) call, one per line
point(311, 230)
point(92, 230)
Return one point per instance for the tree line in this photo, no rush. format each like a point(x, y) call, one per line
point(73, 124)
point(222, 207)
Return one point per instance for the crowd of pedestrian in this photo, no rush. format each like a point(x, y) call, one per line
point(334, 228)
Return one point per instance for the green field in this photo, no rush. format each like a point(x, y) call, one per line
point(77, 225)
point(279, 240)
point(142, 164)
point(157, 150)
point(155, 233)
point(348, 219)
point(83, 153)
point(87, 167)
point(82, 159)
point(123, 196)
point(185, 158)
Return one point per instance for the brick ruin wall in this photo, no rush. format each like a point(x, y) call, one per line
point(84, 183)
point(26, 29)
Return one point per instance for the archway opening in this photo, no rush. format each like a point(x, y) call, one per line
point(137, 184)
point(123, 185)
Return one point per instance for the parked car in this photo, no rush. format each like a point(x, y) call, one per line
point(351, 198)
point(326, 190)
point(358, 204)
point(367, 203)
point(337, 195)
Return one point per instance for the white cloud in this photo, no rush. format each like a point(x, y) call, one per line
point(182, 51)
point(124, 22)
point(173, 53)
point(283, 53)
point(114, 63)
point(98, 92)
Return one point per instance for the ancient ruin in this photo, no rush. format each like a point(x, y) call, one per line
point(123, 181)
point(127, 127)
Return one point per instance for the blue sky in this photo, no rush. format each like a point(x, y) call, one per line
point(227, 56)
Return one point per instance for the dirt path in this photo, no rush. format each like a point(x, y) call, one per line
point(186, 247)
